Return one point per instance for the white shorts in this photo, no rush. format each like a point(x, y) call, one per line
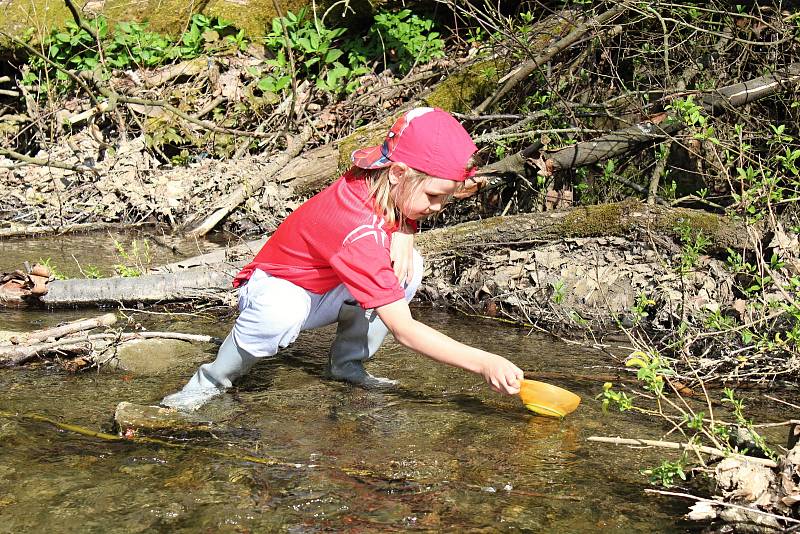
point(273, 311)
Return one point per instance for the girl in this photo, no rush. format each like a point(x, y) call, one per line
point(332, 260)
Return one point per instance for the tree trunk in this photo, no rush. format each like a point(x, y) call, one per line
point(209, 276)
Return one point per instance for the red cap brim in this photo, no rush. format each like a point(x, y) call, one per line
point(370, 158)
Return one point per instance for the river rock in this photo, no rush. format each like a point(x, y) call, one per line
point(153, 356)
point(131, 419)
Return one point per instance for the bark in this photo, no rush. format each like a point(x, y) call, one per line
point(209, 276)
point(31, 231)
point(201, 282)
point(619, 219)
point(89, 344)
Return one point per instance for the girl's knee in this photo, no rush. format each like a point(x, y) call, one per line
point(272, 317)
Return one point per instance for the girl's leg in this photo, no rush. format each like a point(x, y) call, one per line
point(359, 335)
point(272, 312)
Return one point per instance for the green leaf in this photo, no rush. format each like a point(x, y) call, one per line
point(266, 84)
point(333, 55)
point(282, 82)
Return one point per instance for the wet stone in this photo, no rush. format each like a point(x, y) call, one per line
point(130, 417)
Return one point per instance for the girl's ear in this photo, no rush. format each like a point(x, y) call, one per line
point(397, 172)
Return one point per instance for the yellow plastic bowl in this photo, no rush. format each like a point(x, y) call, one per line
point(547, 399)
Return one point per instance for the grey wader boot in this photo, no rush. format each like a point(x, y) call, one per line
point(213, 378)
point(358, 338)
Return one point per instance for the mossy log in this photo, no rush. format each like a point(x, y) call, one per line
point(208, 277)
point(619, 219)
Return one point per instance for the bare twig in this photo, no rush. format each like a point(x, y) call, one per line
point(526, 69)
point(725, 504)
point(681, 446)
point(45, 162)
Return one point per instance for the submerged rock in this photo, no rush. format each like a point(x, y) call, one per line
point(131, 419)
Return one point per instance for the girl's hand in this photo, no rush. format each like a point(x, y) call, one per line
point(502, 375)
point(401, 251)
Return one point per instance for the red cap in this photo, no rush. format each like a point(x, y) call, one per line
point(429, 140)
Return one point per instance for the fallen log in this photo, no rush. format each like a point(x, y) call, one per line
point(209, 276)
point(90, 345)
point(56, 332)
point(604, 220)
point(186, 285)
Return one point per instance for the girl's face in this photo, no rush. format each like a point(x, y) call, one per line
point(418, 201)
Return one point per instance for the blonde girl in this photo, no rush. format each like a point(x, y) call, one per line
point(346, 256)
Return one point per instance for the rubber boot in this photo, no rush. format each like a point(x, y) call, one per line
point(359, 334)
point(213, 378)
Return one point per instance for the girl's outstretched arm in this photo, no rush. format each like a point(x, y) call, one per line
point(501, 375)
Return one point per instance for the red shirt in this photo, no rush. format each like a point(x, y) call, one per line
point(333, 238)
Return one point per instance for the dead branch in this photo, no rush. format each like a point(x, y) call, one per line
point(714, 502)
point(30, 231)
point(11, 154)
point(682, 446)
point(23, 354)
point(643, 134)
point(190, 67)
point(294, 147)
point(527, 68)
point(80, 325)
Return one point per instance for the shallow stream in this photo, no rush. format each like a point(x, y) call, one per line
point(441, 452)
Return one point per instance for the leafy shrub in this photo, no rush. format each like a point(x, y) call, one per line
point(405, 39)
point(132, 45)
point(315, 54)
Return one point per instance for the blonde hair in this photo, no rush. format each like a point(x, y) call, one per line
point(380, 188)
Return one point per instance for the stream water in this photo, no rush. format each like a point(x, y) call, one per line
point(441, 452)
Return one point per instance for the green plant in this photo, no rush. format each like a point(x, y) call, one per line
point(693, 243)
point(92, 271)
point(136, 260)
point(666, 473)
point(737, 405)
point(618, 399)
point(639, 310)
point(130, 44)
point(694, 116)
point(651, 369)
point(558, 292)
point(315, 53)
point(207, 34)
point(404, 39)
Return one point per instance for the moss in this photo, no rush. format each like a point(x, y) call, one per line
point(708, 223)
point(165, 16)
point(594, 221)
point(41, 15)
point(462, 91)
point(172, 16)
